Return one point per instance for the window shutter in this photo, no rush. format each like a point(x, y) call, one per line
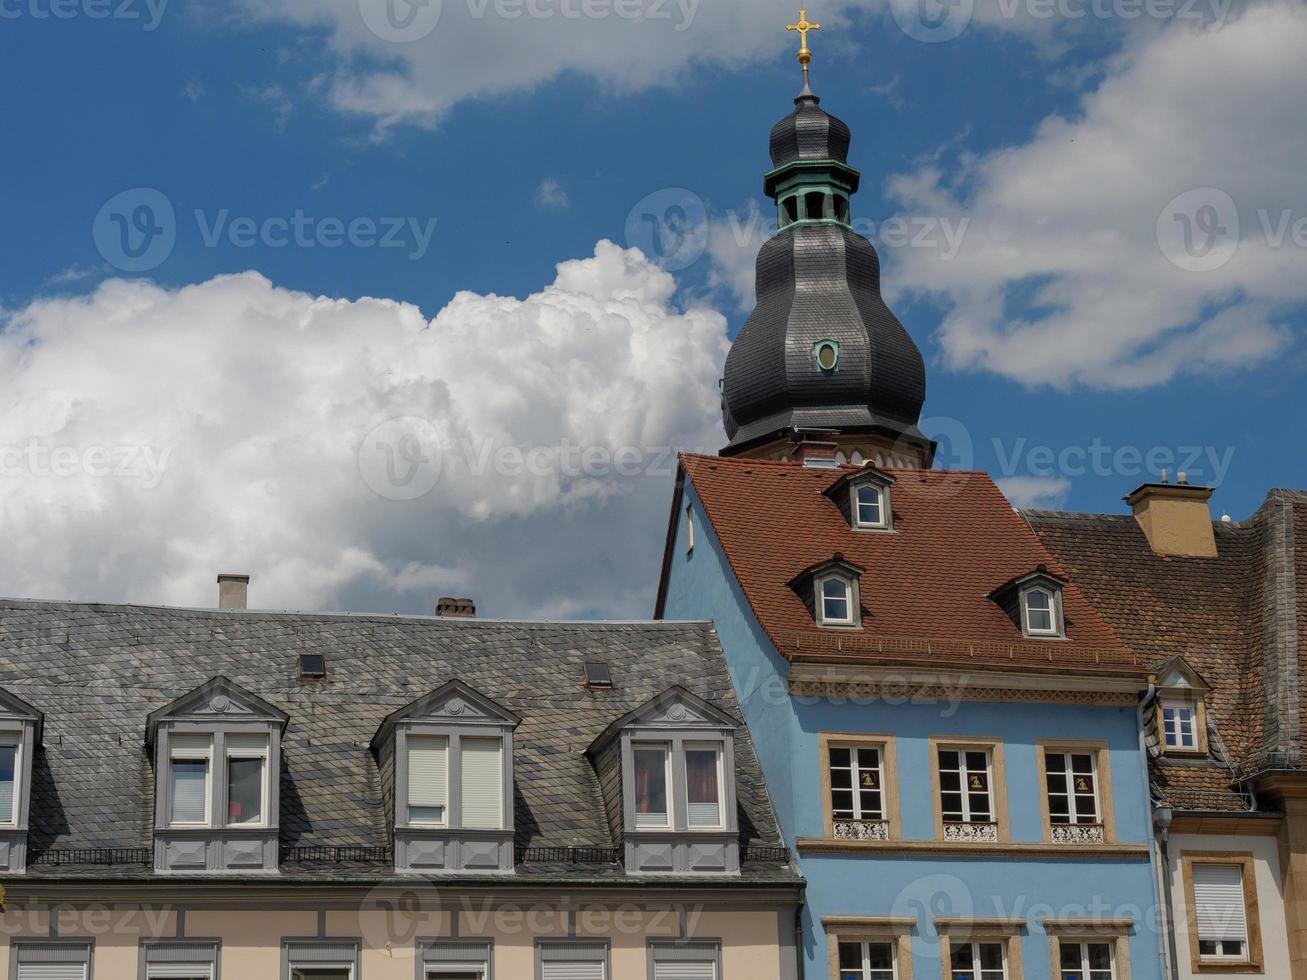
point(483, 783)
point(427, 770)
point(189, 788)
point(563, 970)
point(703, 970)
point(179, 971)
point(244, 742)
point(51, 971)
point(1219, 902)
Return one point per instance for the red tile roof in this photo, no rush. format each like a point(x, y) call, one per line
point(925, 592)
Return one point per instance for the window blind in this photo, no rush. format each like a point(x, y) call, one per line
point(1219, 902)
point(51, 971)
point(483, 783)
point(179, 971)
point(428, 768)
point(245, 742)
point(190, 779)
point(700, 970)
point(563, 970)
point(8, 779)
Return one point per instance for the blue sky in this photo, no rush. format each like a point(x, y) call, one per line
point(1060, 340)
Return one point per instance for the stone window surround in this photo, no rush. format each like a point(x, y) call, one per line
point(870, 929)
point(81, 943)
point(207, 950)
point(24, 726)
point(479, 953)
point(888, 770)
point(683, 950)
point(203, 711)
point(1006, 932)
point(1247, 862)
point(1115, 934)
point(1103, 775)
point(290, 944)
point(601, 951)
point(997, 781)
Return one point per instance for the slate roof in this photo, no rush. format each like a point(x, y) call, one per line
point(97, 671)
point(1239, 619)
point(927, 585)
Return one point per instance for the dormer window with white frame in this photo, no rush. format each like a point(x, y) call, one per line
point(449, 759)
point(217, 757)
point(1034, 604)
point(1181, 712)
point(21, 731)
point(675, 759)
point(863, 497)
point(831, 591)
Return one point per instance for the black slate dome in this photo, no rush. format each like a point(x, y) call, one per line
point(821, 351)
point(809, 133)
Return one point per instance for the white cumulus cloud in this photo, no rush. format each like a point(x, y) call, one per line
point(1083, 265)
point(155, 437)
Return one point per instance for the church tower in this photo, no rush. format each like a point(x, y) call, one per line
point(821, 361)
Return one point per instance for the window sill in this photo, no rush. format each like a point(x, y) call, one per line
point(827, 845)
point(1227, 967)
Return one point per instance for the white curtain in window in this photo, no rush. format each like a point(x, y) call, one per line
point(591, 970)
point(483, 783)
point(706, 970)
point(1219, 901)
point(51, 971)
point(427, 770)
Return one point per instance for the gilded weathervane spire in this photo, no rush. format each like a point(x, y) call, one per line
point(805, 53)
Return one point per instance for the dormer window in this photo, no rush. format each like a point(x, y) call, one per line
point(836, 601)
point(863, 497)
point(667, 769)
point(1034, 603)
point(216, 752)
point(1181, 713)
point(20, 733)
point(449, 756)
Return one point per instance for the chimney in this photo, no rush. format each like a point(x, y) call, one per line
point(233, 591)
point(1175, 518)
point(456, 608)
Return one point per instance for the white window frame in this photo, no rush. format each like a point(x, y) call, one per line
point(854, 768)
point(719, 751)
point(1082, 945)
point(240, 753)
point(976, 972)
point(963, 771)
point(1190, 712)
point(1245, 953)
point(882, 498)
point(822, 618)
point(1073, 816)
point(409, 805)
point(667, 750)
point(1054, 611)
point(14, 740)
point(689, 528)
point(864, 945)
point(185, 753)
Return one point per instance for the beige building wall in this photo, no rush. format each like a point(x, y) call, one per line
point(251, 940)
point(1270, 899)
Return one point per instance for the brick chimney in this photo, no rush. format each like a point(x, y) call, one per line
point(1175, 518)
point(233, 591)
point(456, 608)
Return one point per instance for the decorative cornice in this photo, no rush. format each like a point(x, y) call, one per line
point(909, 848)
point(878, 682)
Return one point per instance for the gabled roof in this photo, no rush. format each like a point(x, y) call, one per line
point(673, 708)
point(927, 584)
point(99, 671)
point(1239, 620)
point(455, 702)
point(217, 699)
point(1178, 673)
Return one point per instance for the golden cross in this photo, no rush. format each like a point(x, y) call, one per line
point(803, 27)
